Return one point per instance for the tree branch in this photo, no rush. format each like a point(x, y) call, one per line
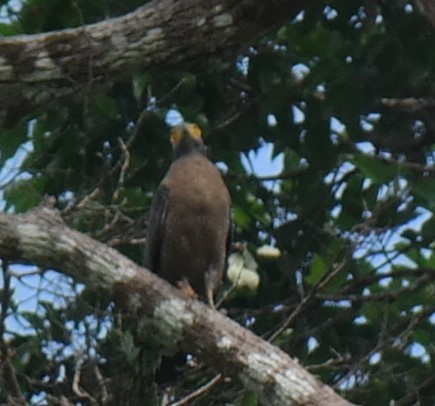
point(40, 237)
point(37, 68)
point(427, 8)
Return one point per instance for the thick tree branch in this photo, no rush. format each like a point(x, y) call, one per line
point(427, 8)
point(41, 238)
point(36, 68)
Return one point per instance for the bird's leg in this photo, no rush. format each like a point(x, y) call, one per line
point(186, 289)
point(212, 280)
point(210, 299)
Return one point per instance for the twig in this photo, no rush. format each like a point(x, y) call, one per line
point(231, 288)
point(364, 281)
point(331, 364)
point(124, 168)
point(381, 343)
point(343, 316)
point(61, 401)
point(376, 297)
point(407, 165)
point(240, 112)
point(8, 372)
point(91, 196)
point(116, 242)
point(84, 202)
point(165, 98)
point(409, 104)
point(199, 392)
point(145, 112)
point(76, 384)
point(109, 226)
point(328, 277)
point(4, 302)
point(100, 380)
point(402, 340)
point(306, 300)
point(299, 309)
point(391, 161)
point(124, 164)
point(281, 176)
point(19, 275)
point(410, 398)
point(224, 124)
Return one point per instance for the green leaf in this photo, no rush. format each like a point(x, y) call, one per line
point(374, 169)
point(431, 260)
point(416, 256)
point(134, 196)
point(421, 336)
point(25, 194)
point(140, 84)
point(107, 106)
point(425, 190)
point(249, 399)
point(8, 29)
point(241, 217)
point(292, 161)
point(317, 270)
point(345, 221)
point(10, 141)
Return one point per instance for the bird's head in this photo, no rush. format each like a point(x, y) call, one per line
point(186, 138)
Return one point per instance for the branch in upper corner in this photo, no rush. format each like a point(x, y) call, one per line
point(427, 8)
point(38, 69)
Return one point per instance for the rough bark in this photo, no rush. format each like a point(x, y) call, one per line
point(41, 238)
point(37, 68)
point(427, 8)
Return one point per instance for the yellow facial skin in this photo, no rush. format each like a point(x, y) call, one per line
point(192, 129)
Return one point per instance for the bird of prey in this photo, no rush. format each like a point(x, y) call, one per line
point(189, 223)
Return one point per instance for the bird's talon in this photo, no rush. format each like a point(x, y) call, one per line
point(186, 289)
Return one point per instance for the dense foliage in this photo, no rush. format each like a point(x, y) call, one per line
point(342, 97)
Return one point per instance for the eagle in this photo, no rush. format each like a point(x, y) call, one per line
point(189, 223)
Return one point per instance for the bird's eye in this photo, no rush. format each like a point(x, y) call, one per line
point(176, 135)
point(194, 131)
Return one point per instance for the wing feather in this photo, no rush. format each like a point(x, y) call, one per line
point(156, 228)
